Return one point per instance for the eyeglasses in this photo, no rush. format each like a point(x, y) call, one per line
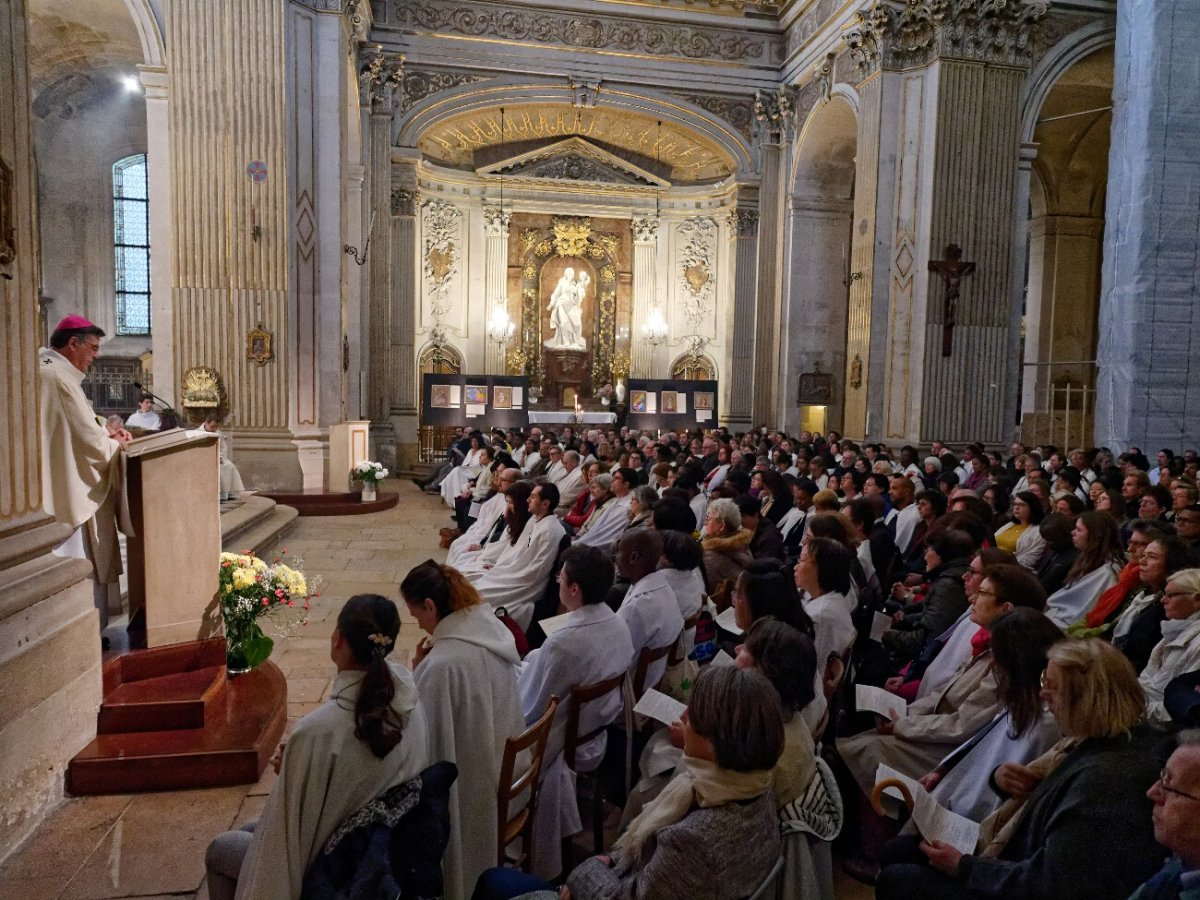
point(1179, 593)
point(1162, 781)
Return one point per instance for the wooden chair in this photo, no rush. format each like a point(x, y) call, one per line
point(520, 825)
point(582, 694)
point(766, 887)
point(647, 658)
point(688, 624)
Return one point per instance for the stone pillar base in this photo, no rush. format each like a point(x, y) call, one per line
point(50, 669)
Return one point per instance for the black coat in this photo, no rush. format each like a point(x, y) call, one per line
point(1085, 831)
point(945, 601)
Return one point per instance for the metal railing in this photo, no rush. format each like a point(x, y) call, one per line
point(1065, 413)
point(432, 443)
point(111, 390)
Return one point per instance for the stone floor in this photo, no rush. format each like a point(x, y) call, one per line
point(152, 845)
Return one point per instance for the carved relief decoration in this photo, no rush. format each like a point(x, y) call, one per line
point(696, 261)
point(378, 74)
point(419, 84)
point(584, 32)
point(405, 201)
point(743, 222)
point(574, 159)
point(738, 112)
point(640, 143)
point(441, 224)
point(645, 229)
point(913, 34)
point(775, 113)
point(495, 221)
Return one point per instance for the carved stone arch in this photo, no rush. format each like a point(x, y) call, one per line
point(149, 32)
point(1061, 57)
point(837, 111)
point(694, 367)
point(492, 93)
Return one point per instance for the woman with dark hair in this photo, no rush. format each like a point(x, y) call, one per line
point(775, 495)
point(516, 515)
point(1138, 627)
point(1060, 552)
point(823, 573)
point(947, 557)
point(1024, 729)
point(466, 674)
point(996, 496)
point(1094, 571)
point(680, 566)
point(789, 661)
point(369, 736)
point(763, 589)
point(1021, 537)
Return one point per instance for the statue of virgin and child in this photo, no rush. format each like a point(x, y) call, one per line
point(566, 311)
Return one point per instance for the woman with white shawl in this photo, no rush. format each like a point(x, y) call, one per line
point(369, 736)
point(466, 674)
point(1094, 571)
point(458, 477)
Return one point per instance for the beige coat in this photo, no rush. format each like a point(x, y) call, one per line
point(934, 726)
point(81, 464)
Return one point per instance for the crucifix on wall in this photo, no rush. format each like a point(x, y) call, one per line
point(953, 270)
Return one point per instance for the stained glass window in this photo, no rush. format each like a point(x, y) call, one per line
point(131, 241)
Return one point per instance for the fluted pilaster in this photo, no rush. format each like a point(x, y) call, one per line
point(495, 223)
point(743, 227)
point(645, 298)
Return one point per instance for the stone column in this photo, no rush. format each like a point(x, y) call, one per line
point(156, 85)
point(1148, 390)
point(743, 228)
point(406, 203)
point(378, 295)
point(495, 224)
point(645, 282)
point(944, 113)
point(49, 633)
point(775, 114)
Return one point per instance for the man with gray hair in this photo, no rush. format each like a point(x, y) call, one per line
point(569, 480)
point(1176, 797)
point(726, 543)
point(491, 513)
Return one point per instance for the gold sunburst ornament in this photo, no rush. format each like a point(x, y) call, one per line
point(696, 276)
point(440, 261)
point(571, 236)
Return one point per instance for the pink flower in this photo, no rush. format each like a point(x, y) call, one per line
point(278, 592)
point(266, 602)
point(291, 603)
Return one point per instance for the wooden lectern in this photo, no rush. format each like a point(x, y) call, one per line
point(349, 444)
point(174, 554)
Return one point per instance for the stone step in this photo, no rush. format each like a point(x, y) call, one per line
point(256, 523)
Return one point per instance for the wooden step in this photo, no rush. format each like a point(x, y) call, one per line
point(241, 722)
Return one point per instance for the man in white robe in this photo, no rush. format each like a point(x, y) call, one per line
point(650, 609)
point(518, 581)
point(468, 545)
point(613, 517)
point(903, 512)
point(570, 481)
point(467, 681)
point(145, 417)
point(81, 460)
point(591, 646)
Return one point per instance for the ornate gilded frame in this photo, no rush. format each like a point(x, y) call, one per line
point(258, 345)
point(569, 237)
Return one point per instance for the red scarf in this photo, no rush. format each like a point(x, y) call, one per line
point(981, 641)
point(1112, 599)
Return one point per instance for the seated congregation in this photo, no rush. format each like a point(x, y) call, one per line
point(1013, 643)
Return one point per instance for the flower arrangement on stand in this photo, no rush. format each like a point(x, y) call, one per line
point(606, 394)
point(370, 474)
point(251, 588)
